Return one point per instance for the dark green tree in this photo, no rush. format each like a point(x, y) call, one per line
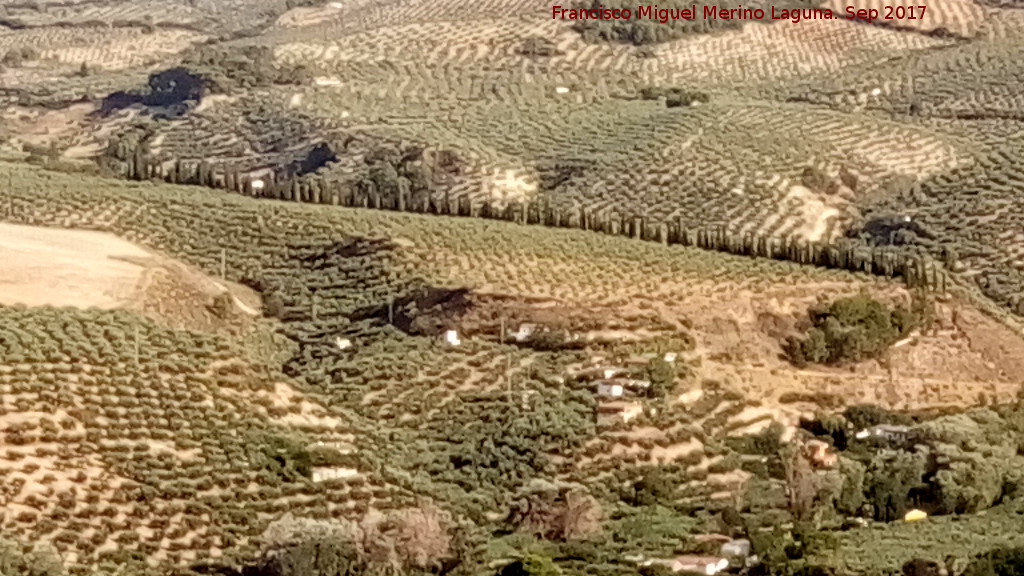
point(998, 562)
point(662, 376)
point(299, 547)
point(532, 565)
point(654, 487)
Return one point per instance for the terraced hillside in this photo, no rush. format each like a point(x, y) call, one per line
point(363, 297)
point(120, 434)
point(809, 130)
point(366, 366)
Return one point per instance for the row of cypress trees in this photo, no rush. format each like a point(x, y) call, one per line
point(917, 270)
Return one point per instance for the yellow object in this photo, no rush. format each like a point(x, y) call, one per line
point(915, 515)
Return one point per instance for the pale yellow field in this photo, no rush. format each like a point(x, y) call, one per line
point(49, 266)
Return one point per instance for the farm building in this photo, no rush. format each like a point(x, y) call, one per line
point(820, 454)
point(599, 373)
point(523, 333)
point(329, 473)
point(451, 338)
point(624, 384)
point(609, 390)
point(886, 432)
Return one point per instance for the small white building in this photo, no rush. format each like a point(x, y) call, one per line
point(524, 332)
point(631, 384)
point(322, 474)
point(606, 390)
point(636, 384)
point(886, 432)
point(451, 337)
point(598, 373)
point(342, 343)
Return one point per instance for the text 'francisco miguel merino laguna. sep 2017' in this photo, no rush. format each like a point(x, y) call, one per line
point(699, 12)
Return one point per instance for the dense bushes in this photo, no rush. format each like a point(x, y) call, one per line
point(531, 565)
point(405, 175)
point(45, 561)
point(976, 461)
point(998, 562)
point(538, 46)
point(507, 444)
point(851, 330)
point(283, 456)
point(675, 97)
point(555, 512)
point(174, 86)
point(955, 464)
point(231, 69)
point(653, 488)
point(891, 478)
point(662, 376)
point(17, 56)
point(409, 541)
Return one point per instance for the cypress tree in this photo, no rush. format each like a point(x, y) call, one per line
point(138, 166)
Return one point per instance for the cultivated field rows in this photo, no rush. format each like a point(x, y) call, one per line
point(641, 156)
point(216, 17)
point(732, 59)
point(139, 49)
point(960, 17)
point(124, 435)
point(90, 12)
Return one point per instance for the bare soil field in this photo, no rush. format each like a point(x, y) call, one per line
point(966, 358)
point(52, 267)
point(90, 269)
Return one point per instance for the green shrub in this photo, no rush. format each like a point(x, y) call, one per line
point(227, 70)
point(43, 561)
point(303, 547)
point(655, 487)
point(851, 495)
point(662, 376)
point(920, 567)
point(283, 456)
point(889, 480)
point(674, 97)
point(998, 562)
point(532, 565)
point(538, 46)
point(851, 330)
